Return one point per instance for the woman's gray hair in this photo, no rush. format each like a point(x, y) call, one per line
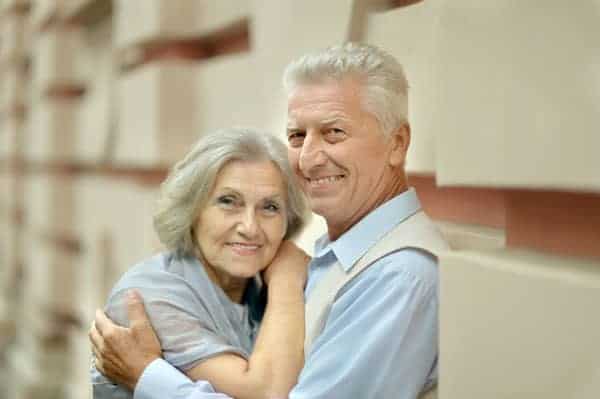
point(386, 88)
point(190, 182)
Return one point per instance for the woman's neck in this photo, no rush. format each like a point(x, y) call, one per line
point(233, 287)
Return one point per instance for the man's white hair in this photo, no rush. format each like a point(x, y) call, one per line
point(386, 88)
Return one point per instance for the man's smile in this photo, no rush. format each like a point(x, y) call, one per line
point(317, 182)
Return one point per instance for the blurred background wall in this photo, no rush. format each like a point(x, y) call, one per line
point(99, 97)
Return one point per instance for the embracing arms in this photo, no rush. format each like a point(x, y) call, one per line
point(278, 355)
point(124, 353)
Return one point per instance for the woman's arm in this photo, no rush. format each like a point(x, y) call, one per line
point(278, 356)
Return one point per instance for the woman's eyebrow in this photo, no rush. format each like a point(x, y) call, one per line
point(230, 190)
point(276, 196)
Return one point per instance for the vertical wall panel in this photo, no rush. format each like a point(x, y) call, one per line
point(11, 138)
point(50, 130)
point(284, 30)
point(56, 58)
point(211, 16)
point(139, 21)
point(219, 83)
point(156, 108)
point(519, 98)
point(518, 325)
point(14, 89)
point(96, 121)
point(12, 37)
point(408, 34)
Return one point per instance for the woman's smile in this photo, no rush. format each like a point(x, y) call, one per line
point(240, 228)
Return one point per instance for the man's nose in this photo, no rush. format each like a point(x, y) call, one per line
point(248, 224)
point(311, 153)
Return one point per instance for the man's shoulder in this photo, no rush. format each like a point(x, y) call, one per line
point(408, 267)
point(416, 262)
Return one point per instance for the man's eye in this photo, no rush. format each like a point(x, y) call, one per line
point(333, 135)
point(296, 138)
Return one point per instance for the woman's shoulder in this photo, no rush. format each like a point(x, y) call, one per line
point(149, 269)
point(166, 274)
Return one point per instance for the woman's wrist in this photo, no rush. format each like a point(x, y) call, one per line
point(286, 287)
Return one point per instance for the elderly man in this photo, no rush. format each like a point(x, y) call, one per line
point(372, 290)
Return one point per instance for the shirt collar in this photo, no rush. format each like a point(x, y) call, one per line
point(354, 243)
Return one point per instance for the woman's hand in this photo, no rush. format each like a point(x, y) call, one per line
point(290, 264)
point(122, 353)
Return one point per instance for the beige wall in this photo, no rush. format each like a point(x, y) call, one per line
point(100, 97)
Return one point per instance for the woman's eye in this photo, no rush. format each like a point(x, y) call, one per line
point(226, 200)
point(272, 207)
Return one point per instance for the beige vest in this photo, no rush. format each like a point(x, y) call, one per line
point(417, 231)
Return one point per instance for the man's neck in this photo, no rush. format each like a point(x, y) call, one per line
point(335, 231)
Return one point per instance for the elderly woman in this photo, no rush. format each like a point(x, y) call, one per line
point(225, 210)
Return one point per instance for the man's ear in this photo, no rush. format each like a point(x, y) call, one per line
point(400, 141)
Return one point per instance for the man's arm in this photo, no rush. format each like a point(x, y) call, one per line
point(380, 340)
point(160, 380)
point(113, 345)
point(131, 357)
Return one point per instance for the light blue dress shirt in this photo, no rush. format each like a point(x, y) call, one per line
point(380, 339)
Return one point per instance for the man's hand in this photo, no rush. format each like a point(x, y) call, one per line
point(290, 262)
point(122, 353)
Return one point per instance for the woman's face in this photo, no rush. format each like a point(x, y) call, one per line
point(243, 222)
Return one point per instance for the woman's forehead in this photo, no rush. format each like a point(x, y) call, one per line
point(260, 178)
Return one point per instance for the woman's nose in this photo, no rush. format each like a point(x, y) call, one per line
point(248, 225)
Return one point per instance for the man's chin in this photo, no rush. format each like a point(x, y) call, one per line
point(326, 209)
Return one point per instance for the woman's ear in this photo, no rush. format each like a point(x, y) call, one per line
point(400, 141)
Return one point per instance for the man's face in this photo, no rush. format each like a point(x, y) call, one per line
point(342, 159)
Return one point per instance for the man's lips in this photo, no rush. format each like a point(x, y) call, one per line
point(323, 180)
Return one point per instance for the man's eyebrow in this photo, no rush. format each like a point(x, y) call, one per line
point(331, 121)
point(292, 128)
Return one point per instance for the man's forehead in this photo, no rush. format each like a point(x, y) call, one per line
point(323, 120)
point(349, 87)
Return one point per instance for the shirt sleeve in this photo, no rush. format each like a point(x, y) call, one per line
point(184, 327)
point(103, 388)
point(160, 380)
point(380, 339)
point(109, 390)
